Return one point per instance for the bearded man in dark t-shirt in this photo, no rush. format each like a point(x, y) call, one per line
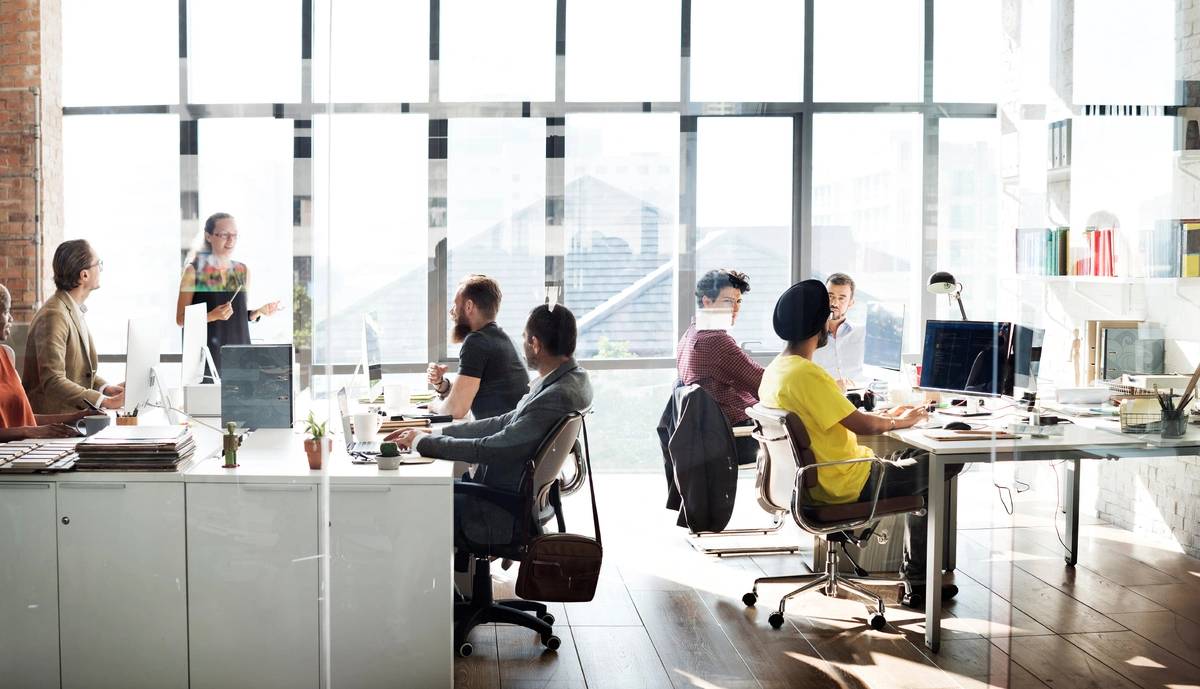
point(491, 378)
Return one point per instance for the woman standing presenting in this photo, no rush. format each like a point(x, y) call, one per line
point(214, 279)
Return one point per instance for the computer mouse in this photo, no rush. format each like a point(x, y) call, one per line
point(957, 426)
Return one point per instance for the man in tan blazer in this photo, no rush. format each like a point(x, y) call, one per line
point(60, 357)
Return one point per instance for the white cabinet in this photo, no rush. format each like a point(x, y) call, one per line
point(122, 585)
point(390, 587)
point(253, 599)
point(28, 586)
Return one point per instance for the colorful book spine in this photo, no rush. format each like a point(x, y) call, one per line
point(1191, 249)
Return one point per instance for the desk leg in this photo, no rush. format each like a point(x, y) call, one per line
point(1072, 505)
point(935, 542)
point(950, 549)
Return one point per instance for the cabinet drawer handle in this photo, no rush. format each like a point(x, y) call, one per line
point(276, 489)
point(25, 486)
point(98, 486)
point(362, 489)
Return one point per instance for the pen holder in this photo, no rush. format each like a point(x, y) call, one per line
point(1174, 423)
point(126, 420)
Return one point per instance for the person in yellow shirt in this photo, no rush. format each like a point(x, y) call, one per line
point(795, 383)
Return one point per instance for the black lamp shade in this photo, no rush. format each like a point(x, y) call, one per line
point(942, 282)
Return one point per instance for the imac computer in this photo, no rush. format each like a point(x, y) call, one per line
point(195, 347)
point(884, 339)
point(372, 350)
point(968, 358)
point(143, 345)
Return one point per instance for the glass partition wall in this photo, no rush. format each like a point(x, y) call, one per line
point(606, 155)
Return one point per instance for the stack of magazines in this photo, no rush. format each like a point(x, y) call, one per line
point(136, 448)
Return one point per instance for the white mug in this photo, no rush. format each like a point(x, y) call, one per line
point(366, 426)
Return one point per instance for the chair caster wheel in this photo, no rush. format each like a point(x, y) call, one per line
point(877, 622)
point(548, 618)
point(552, 642)
point(750, 599)
point(775, 620)
point(465, 649)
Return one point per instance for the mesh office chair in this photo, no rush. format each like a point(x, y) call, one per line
point(783, 437)
point(530, 508)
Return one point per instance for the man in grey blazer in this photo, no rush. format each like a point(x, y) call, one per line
point(501, 445)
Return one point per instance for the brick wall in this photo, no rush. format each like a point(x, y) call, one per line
point(30, 132)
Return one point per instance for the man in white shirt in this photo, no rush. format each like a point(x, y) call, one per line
point(842, 357)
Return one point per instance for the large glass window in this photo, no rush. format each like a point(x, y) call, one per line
point(244, 52)
point(744, 213)
point(970, 243)
point(496, 212)
point(1125, 52)
point(966, 51)
point(121, 192)
point(623, 50)
point(867, 208)
point(120, 52)
point(246, 170)
point(747, 50)
point(497, 51)
point(357, 41)
point(369, 222)
point(870, 50)
point(622, 200)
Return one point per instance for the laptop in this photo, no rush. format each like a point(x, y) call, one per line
point(364, 448)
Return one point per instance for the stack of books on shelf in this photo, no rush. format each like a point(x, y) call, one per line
point(1161, 249)
point(136, 448)
point(1042, 250)
point(37, 456)
point(1100, 257)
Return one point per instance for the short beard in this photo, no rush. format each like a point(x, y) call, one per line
point(823, 338)
point(460, 332)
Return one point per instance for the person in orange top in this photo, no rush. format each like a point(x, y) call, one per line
point(17, 420)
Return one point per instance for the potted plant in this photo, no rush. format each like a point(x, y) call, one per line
point(317, 444)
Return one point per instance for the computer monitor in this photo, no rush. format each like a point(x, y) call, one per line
point(1027, 356)
point(195, 344)
point(884, 339)
point(143, 344)
point(372, 352)
point(968, 358)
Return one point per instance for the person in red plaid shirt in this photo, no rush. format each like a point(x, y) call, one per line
point(708, 356)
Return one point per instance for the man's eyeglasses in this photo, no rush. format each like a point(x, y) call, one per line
point(226, 236)
point(98, 265)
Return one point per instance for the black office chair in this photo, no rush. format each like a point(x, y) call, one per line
point(537, 501)
point(782, 436)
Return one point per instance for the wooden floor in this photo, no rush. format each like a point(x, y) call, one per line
point(666, 616)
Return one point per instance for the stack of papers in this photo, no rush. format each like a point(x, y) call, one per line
point(31, 456)
point(136, 448)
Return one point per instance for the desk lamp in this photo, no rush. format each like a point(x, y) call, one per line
point(942, 282)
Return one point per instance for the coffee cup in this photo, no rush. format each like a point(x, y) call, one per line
point(366, 426)
point(91, 425)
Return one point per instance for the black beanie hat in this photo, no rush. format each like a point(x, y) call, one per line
point(802, 311)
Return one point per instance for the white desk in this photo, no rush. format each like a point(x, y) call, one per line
point(1087, 438)
point(267, 575)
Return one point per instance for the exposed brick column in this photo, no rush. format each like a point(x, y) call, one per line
point(30, 147)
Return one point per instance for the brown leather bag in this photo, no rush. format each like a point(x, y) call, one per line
point(564, 567)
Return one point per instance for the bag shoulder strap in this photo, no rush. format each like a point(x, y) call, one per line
point(587, 459)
